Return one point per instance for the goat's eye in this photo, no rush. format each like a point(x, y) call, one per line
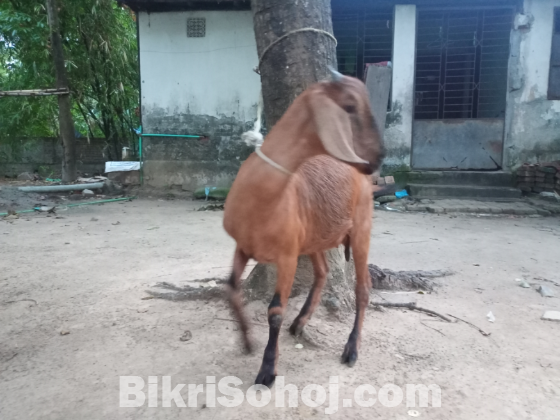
point(349, 109)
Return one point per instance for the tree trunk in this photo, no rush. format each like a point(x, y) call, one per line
point(287, 69)
point(339, 289)
point(299, 60)
point(65, 122)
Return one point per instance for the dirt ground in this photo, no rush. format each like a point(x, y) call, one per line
point(86, 271)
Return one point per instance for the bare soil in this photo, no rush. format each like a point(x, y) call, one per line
point(85, 271)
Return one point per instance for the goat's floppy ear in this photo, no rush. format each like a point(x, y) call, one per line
point(333, 127)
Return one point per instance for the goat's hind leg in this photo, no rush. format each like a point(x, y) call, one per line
point(286, 272)
point(235, 296)
point(360, 249)
point(320, 270)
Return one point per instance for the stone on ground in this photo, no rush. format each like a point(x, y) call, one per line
point(551, 316)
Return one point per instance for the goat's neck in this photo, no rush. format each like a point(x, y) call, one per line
point(293, 140)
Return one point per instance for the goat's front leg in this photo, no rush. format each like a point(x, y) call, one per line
point(320, 269)
point(286, 272)
point(235, 296)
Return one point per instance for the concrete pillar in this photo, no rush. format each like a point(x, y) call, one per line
point(398, 134)
point(378, 83)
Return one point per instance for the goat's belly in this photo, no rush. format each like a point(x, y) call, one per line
point(326, 237)
point(263, 241)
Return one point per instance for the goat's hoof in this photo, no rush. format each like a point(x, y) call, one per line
point(349, 356)
point(296, 329)
point(265, 378)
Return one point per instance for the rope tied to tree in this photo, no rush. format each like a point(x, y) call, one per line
point(254, 137)
point(272, 44)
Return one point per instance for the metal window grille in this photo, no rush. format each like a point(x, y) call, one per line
point(461, 63)
point(196, 27)
point(363, 37)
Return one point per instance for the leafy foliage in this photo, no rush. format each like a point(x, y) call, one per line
point(100, 50)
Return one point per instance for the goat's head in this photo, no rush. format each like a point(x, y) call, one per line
point(344, 122)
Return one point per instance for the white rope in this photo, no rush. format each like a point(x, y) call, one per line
point(264, 157)
point(272, 44)
point(254, 136)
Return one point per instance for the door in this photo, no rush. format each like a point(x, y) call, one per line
point(460, 88)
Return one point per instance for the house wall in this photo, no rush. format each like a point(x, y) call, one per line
point(203, 86)
point(207, 86)
point(398, 126)
point(532, 121)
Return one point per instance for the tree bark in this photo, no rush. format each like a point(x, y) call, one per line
point(65, 122)
point(287, 69)
point(297, 61)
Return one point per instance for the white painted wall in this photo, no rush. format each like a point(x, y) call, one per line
point(206, 76)
point(535, 48)
point(398, 135)
point(532, 121)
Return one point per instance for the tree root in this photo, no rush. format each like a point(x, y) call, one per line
point(412, 306)
point(484, 333)
point(383, 278)
point(177, 293)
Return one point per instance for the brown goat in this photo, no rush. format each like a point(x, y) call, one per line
point(314, 196)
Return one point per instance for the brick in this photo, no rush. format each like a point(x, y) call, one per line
point(389, 180)
point(527, 168)
point(547, 169)
point(381, 181)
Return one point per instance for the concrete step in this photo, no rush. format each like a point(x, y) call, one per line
point(477, 178)
point(462, 191)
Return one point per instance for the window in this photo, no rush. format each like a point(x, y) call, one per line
point(554, 72)
point(363, 37)
point(461, 63)
point(196, 27)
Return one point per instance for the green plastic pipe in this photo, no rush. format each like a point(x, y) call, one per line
point(171, 135)
point(79, 204)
